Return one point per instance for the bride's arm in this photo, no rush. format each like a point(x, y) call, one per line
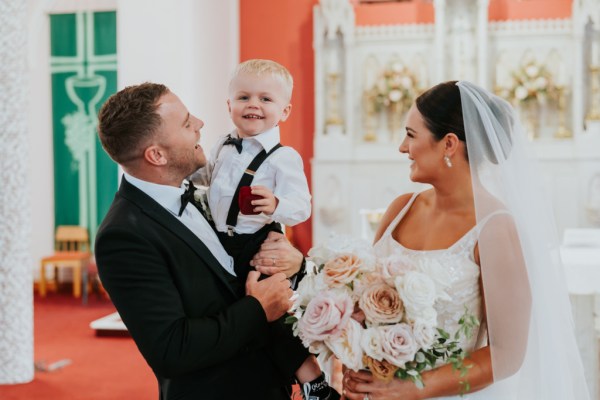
point(442, 381)
point(391, 212)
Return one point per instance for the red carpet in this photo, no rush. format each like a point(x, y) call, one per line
point(102, 368)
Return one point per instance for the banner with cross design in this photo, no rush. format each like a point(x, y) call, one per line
point(84, 74)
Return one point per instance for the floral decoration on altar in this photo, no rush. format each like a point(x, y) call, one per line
point(375, 313)
point(395, 86)
point(530, 82)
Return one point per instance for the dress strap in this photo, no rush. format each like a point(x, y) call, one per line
point(482, 223)
point(400, 215)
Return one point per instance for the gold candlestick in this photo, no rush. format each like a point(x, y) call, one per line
point(594, 114)
point(562, 132)
point(333, 107)
point(370, 116)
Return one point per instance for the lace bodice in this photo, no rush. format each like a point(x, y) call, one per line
point(453, 269)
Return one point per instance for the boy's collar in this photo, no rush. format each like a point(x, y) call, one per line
point(267, 139)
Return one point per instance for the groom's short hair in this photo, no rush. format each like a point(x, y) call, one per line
point(128, 119)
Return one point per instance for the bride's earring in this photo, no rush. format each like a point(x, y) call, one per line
point(448, 161)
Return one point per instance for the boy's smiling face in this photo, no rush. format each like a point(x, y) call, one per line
point(257, 103)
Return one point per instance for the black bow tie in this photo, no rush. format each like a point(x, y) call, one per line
point(235, 142)
point(187, 196)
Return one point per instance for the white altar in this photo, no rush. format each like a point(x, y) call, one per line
point(356, 163)
point(366, 77)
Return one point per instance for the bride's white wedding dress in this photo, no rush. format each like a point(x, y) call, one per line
point(454, 269)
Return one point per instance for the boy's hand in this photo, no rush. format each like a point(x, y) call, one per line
point(267, 204)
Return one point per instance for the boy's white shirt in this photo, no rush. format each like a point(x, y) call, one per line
point(282, 172)
point(169, 197)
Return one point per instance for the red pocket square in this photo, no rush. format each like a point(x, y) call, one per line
point(244, 201)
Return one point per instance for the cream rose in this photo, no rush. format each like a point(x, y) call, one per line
point(342, 270)
point(398, 344)
point(424, 334)
point(381, 304)
point(417, 291)
point(425, 315)
point(320, 254)
point(346, 347)
point(325, 316)
point(308, 288)
point(370, 342)
point(363, 282)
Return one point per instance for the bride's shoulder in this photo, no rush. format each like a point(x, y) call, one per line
point(391, 212)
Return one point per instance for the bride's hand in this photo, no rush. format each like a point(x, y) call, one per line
point(362, 385)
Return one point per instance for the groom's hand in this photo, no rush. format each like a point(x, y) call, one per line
point(276, 254)
point(273, 293)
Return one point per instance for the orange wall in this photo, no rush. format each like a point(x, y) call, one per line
point(282, 30)
point(419, 12)
point(529, 9)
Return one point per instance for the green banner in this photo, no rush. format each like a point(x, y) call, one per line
point(83, 58)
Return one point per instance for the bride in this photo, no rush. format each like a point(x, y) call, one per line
point(485, 230)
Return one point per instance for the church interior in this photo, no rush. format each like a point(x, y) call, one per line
point(357, 66)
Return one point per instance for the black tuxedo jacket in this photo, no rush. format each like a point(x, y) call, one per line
point(190, 319)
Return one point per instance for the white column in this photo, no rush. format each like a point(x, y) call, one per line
point(482, 44)
point(16, 303)
point(440, 42)
point(192, 46)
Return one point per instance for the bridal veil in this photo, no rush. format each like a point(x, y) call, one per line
point(528, 314)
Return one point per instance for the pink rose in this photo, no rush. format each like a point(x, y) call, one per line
point(393, 266)
point(398, 344)
point(325, 316)
point(381, 304)
point(342, 270)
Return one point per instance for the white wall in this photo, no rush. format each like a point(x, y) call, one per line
point(189, 45)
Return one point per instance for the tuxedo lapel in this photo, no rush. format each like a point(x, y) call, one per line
point(159, 214)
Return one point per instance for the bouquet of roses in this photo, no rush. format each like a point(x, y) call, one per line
point(373, 313)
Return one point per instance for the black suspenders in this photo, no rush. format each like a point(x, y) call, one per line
point(247, 177)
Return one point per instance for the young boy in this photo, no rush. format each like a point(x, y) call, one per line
point(259, 99)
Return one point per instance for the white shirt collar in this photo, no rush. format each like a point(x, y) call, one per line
point(267, 139)
point(167, 196)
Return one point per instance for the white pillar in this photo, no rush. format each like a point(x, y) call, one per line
point(440, 40)
point(482, 44)
point(16, 303)
point(192, 46)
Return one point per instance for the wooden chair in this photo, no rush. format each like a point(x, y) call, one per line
point(72, 247)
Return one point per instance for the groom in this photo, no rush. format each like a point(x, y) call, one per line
point(204, 333)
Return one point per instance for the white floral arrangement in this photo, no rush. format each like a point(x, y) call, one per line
point(201, 200)
point(396, 85)
point(374, 313)
point(530, 82)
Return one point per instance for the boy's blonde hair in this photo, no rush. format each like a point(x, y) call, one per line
point(259, 67)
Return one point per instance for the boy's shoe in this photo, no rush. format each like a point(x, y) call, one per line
point(319, 389)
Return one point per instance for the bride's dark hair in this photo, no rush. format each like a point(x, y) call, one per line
point(441, 109)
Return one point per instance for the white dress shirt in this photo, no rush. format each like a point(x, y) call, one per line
point(169, 197)
point(282, 172)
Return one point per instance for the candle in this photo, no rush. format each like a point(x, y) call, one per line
point(561, 76)
point(333, 65)
point(369, 76)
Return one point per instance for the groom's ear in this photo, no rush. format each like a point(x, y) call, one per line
point(155, 155)
point(451, 143)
